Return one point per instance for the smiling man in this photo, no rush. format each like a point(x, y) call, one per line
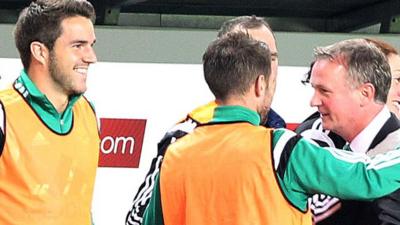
point(232, 171)
point(393, 57)
point(49, 138)
point(351, 80)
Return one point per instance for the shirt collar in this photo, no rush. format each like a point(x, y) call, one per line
point(234, 113)
point(35, 95)
point(29, 85)
point(364, 139)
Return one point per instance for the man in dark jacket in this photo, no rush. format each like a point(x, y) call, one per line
point(377, 133)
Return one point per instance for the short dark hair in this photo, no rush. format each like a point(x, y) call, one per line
point(233, 62)
point(243, 22)
point(41, 21)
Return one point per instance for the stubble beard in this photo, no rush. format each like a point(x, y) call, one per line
point(62, 80)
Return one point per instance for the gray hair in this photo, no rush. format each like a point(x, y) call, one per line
point(364, 62)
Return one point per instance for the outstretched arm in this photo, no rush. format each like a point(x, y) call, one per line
point(304, 168)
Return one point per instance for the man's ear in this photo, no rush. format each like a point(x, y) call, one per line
point(260, 85)
point(39, 52)
point(367, 93)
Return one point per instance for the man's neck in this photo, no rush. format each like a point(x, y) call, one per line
point(363, 119)
point(362, 142)
point(239, 101)
point(43, 81)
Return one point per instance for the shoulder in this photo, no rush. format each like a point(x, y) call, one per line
point(311, 122)
point(391, 142)
point(275, 120)
point(311, 128)
point(203, 114)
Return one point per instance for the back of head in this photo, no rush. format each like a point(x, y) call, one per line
point(41, 21)
point(242, 23)
point(233, 62)
point(364, 62)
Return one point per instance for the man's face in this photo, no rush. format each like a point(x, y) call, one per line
point(71, 56)
point(265, 35)
point(337, 101)
point(393, 101)
point(266, 99)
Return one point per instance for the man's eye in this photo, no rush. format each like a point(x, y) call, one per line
point(77, 46)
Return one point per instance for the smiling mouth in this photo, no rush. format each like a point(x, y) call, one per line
point(323, 115)
point(81, 70)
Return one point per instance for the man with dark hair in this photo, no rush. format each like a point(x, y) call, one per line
point(49, 133)
point(232, 171)
point(257, 28)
